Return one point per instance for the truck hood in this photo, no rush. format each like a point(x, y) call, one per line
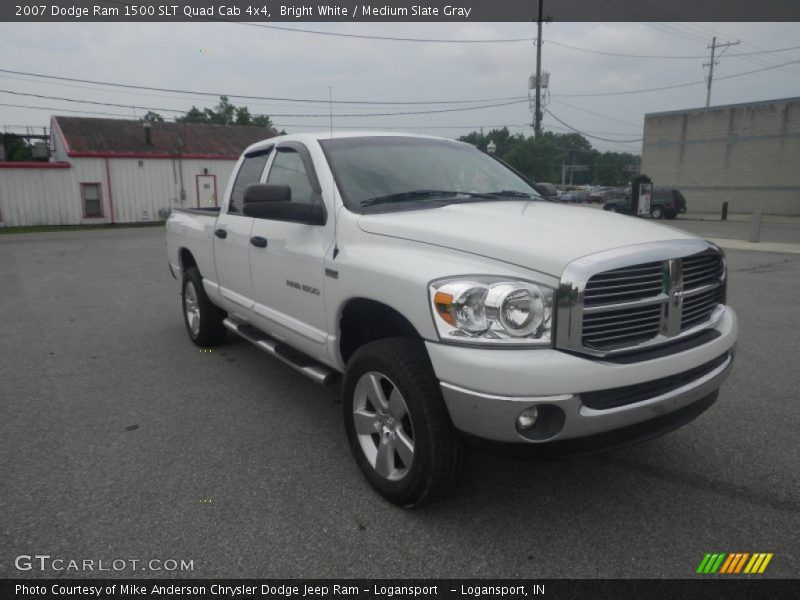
point(537, 235)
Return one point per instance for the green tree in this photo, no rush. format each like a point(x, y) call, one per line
point(16, 148)
point(538, 158)
point(226, 113)
point(153, 117)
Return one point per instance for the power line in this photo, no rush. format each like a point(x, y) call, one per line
point(676, 85)
point(596, 114)
point(661, 56)
point(358, 36)
point(246, 97)
point(274, 115)
point(583, 133)
point(52, 108)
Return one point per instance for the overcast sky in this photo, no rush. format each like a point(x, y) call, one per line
point(238, 59)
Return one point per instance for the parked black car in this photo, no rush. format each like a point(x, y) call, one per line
point(665, 202)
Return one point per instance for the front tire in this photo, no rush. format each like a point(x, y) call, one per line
point(610, 207)
point(203, 320)
point(397, 424)
point(657, 212)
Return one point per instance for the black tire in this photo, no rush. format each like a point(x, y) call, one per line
point(610, 207)
point(210, 331)
point(437, 451)
point(657, 212)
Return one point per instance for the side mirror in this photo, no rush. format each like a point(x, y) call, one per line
point(296, 212)
point(266, 192)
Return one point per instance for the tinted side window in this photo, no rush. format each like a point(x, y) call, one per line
point(288, 169)
point(249, 172)
point(662, 195)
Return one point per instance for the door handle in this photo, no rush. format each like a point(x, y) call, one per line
point(258, 241)
point(221, 233)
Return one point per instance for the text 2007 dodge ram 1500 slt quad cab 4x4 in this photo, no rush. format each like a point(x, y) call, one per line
point(454, 300)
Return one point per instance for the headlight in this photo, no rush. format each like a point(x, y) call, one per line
point(492, 311)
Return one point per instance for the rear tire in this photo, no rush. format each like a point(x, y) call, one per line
point(657, 212)
point(610, 207)
point(397, 424)
point(203, 320)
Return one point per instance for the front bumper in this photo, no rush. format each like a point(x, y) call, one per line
point(495, 386)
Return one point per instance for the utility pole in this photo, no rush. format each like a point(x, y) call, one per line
point(537, 115)
point(710, 65)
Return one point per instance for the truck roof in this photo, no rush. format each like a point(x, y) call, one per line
point(308, 138)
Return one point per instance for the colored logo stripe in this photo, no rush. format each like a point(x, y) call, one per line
point(734, 563)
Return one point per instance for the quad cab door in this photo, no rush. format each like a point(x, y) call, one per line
point(287, 259)
point(232, 238)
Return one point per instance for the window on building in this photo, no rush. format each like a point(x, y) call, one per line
point(92, 201)
point(288, 169)
point(250, 172)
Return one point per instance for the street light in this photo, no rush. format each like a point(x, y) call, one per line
point(491, 147)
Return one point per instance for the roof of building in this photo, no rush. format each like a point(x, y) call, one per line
point(120, 138)
point(793, 100)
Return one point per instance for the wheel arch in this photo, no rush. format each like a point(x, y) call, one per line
point(186, 259)
point(363, 320)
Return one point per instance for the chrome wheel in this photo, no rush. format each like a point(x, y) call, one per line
point(383, 426)
point(192, 308)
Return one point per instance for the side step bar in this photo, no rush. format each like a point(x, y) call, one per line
point(297, 360)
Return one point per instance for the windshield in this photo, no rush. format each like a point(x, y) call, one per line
point(398, 173)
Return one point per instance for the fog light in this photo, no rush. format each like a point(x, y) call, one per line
point(527, 418)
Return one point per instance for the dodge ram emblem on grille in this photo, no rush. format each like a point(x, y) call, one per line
point(673, 279)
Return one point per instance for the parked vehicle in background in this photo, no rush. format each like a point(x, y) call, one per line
point(547, 191)
point(454, 301)
point(576, 196)
point(597, 195)
point(664, 203)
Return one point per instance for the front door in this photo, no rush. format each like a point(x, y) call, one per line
point(206, 191)
point(289, 272)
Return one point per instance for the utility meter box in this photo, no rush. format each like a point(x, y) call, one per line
point(645, 195)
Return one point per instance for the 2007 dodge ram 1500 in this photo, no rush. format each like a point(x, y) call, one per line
point(454, 300)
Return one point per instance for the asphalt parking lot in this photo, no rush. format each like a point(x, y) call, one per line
point(119, 439)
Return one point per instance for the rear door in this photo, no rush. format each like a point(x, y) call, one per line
point(288, 273)
point(232, 238)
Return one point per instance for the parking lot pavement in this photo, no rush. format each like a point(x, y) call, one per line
point(774, 228)
point(120, 439)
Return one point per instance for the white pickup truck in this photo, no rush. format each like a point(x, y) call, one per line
point(456, 302)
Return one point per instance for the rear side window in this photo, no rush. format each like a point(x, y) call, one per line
point(250, 172)
point(662, 195)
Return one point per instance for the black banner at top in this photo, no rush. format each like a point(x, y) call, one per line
point(397, 10)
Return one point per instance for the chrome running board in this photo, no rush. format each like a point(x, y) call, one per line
point(297, 360)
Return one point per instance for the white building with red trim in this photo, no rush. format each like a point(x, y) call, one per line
point(105, 171)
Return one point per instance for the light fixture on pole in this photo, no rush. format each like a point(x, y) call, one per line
point(491, 147)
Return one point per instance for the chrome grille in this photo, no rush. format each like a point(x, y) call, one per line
point(698, 308)
point(621, 326)
point(624, 285)
point(637, 297)
point(702, 269)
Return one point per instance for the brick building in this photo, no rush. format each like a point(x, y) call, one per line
point(747, 154)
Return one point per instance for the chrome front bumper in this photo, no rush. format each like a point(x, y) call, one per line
point(495, 386)
point(494, 417)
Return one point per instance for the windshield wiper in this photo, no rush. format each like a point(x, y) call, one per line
point(513, 194)
point(414, 194)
